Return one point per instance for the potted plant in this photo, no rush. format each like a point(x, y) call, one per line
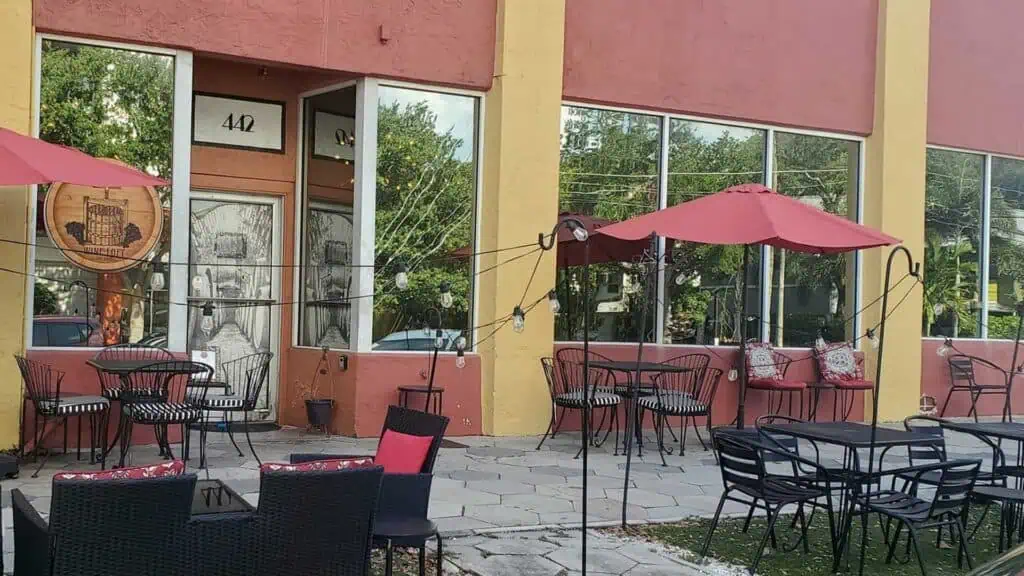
point(319, 409)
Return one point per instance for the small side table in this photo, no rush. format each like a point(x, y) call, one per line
point(435, 397)
point(391, 532)
point(8, 469)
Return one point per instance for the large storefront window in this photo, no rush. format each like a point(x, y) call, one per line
point(425, 214)
point(812, 294)
point(1006, 247)
point(101, 255)
point(608, 170)
point(703, 282)
point(954, 185)
point(327, 239)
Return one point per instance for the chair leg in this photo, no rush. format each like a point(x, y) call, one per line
point(773, 516)
point(682, 439)
point(974, 406)
point(231, 435)
point(102, 437)
point(608, 413)
point(248, 439)
point(558, 425)
point(895, 541)
point(750, 516)
point(942, 413)
point(204, 420)
point(917, 550)
point(959, 527)
point(696, 430)
point(551, 426)
point(440, 556)
point(659, 430)
point(78, 442)
point(388, 559)
point(423, 559)
point(714, 524)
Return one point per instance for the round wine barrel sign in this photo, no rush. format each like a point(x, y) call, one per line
point(103, 229)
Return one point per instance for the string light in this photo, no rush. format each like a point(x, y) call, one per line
point(460, 347)
point(426, 328)
point(680, 279)
point(819, 342)
point(553, 302)
point(439, 339)
point(872, 336)
point(460, 343)
point(206, 325)
point(156, 281)
point(518, 319)
point(578, 232)
point(446, 295)
point(947, 345)
point(733, 375)
point(197, 283)
point(402, 276)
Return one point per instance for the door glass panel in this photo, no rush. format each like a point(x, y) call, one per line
point(230, 252)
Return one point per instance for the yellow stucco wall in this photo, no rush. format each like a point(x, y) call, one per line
point(894, 195)
point(15, 114)
point(520, 199)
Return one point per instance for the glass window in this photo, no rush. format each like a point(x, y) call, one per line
point(425, 210)
point(328, 178)
point(703, 281)
point(813, 294)
point(954, 184)
point(1006, 247)
point(96, 248)
point(609, 171)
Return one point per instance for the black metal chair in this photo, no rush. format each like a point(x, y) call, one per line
point(948, 507)
point(112, 384)
point(159, 395)
point(136, 527)
point(746, 481)
point(245, 378)
point(42, 383)
point(688, 395)
point(963, 378)
point(566, 381)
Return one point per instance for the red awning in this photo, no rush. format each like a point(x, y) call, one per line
point(752, 214)
point(27, 160)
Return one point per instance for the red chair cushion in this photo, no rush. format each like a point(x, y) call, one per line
point(319, 465)
point(402, 453)
point(852, 384)
point(770, 384)
point(172, 468)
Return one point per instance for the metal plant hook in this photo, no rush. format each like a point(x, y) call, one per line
point(579, 231)
point(914, 269)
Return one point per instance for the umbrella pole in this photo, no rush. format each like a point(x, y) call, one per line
point(914, 271)
point(741, 404)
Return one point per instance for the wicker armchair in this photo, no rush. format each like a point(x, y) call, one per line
point(136, 527)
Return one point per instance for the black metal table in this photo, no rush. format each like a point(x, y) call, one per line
point(851, 436)
point(634, 390)
point(399, 531)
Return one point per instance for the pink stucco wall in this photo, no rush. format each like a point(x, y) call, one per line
point(803, 63)
point(935, 375)
point(435, 41)
point(974, 82)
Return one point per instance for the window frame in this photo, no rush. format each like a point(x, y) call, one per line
point(181, 185)
point(770, 130)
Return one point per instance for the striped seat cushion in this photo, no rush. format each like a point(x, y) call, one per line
point(115, 392)
point(574, 398)
point(224, 402)
point(72, 405)
point(678, 403)
point(163, 412)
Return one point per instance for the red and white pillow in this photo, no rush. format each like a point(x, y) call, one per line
point(319, 465)
point(761, 362)
point(837, 361)
point(172, 468)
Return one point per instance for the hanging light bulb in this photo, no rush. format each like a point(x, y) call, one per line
point(947, 344)
point(680, 279)
point(439, 339)
point(460, 359)
point(733, 375)
point(446, 295)
point(553, 302)
point(460, 343)
point(578, 232)
point(873, 337)
point(518, 319)
point(156, 281)
point(206, 325)
point(197, 283)
point(402, 276)
point(426, 329)
point(819, 342)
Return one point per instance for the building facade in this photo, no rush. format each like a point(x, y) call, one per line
point(317, 150)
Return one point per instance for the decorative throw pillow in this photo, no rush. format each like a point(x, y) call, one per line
point(319, 465)
point(761, 361)
point(837, 361)
point(172, 468)
point(402, 453)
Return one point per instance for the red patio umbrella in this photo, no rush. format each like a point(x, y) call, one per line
point(26, 160)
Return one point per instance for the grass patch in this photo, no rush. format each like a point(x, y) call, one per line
point(732, 546)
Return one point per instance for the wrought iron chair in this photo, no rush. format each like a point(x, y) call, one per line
point(688, 395)
point(963, 378)
point(567, 392)
point(42, 382)
point(746, 481)
point(766, 371)
point(846, 388)
point(245, 377)
point(112, 384)
point(159, 395)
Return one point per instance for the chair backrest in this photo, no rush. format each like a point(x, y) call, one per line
point(126, 352)
point(317, 522)
point(417, 423)
point(42, 382)
point(547, 365)
point(121, 526)
point(779, 441)
point(740, 463)
point(247, 376)
point(167, 381)
point(691, 381)
point(961, 370)
point(929, 426)
point(570, 372)
point(954, 488)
